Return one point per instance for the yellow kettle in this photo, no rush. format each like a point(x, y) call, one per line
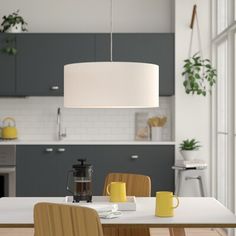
point(9, 130)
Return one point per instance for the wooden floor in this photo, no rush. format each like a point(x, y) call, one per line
point(154, 232)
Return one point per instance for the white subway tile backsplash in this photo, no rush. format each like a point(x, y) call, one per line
point(36, 119)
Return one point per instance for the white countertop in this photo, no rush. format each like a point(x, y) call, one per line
point(192, 212)
point(78, 142)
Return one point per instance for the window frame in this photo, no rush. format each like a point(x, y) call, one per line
point(230, 34)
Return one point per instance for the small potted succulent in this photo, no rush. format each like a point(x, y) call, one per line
point(13, 23)
point(199, 75)
point(189, 149)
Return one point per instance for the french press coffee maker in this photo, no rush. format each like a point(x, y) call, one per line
point(82, 181)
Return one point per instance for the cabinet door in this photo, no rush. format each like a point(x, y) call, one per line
point(41, 59)
point(149, 48)
point(103, 47)
point(154, 161)
point(7, 66)
point(40, 172)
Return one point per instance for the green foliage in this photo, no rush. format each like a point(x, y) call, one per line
point(199, 75)
point(8, 47)
point(187, 144)
point(12, 20)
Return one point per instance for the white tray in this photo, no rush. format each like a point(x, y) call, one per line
point(130, 205)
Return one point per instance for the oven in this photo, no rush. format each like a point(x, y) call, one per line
point(7, 171)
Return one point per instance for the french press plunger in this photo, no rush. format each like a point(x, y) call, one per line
point(82, 181)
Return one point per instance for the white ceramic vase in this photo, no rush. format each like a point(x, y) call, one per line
point(189, 155)
point(156, 133)
point(17, 28)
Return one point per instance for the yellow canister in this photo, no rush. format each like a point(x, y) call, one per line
point(9, 130)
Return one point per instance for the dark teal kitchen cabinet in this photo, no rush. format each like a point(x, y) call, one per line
point(37, 68)
point(7, 66)
point(103, 47)
point(42, 170)
point(41, 58)
point(157, 48)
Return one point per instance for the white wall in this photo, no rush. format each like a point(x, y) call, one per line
point(192, 112)
point(93, 15)
point(36, 116)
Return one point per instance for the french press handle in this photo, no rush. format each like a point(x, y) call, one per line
point(68, 188)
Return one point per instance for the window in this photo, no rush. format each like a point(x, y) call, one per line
point(222, 87)
point(222, 16)
point(235, 11)
point(234, 79)
point(235, 85)
point(222, 126)
point(224, 102)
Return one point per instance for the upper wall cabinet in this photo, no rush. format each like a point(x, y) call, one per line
point(103, 47)
point(41, 58)
point(150, 48)
point(37, 68)
point(7, 65)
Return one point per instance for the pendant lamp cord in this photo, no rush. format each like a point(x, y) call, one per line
point(111, 32)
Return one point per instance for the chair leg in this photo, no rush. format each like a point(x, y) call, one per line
point(125, 231)
point(202, 183)
point(110, 231)
point(177, 231)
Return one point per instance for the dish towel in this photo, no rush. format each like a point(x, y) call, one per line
point(104, 210)
point(109, 215)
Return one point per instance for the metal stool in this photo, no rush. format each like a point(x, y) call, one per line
point(195, 173)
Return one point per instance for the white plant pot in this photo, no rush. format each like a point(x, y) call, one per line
point(156, 133)
point(17, 28)
point(189, 155)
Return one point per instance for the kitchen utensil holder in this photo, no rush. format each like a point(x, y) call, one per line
point(156, 133)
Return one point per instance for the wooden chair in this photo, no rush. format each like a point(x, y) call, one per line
point(136, 185)
point(139, 186)
point(52, 219)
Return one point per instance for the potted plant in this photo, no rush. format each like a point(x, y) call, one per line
point(199, 74)
point(13, 23)
point(189, 149)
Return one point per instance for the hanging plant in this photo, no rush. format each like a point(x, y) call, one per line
point(13, 23)
point(9, 47)
point(199, 75)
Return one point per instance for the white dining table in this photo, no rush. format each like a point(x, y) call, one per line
point(192, 212)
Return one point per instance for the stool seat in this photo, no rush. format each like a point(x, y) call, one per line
point(187, 174)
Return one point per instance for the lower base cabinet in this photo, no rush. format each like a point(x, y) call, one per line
point(42, 170)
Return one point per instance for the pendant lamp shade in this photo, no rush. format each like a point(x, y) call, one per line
point(111, 85)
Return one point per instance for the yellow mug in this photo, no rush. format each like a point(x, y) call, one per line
point(117, 191)
point(164, 204)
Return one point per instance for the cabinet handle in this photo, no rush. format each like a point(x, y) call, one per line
point(134, 157)
point(61, 149)
point(49, 149)
point(54, 88)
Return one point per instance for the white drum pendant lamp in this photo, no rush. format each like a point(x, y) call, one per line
point(111, 84)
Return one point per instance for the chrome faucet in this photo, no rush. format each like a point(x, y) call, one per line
point(60, 134)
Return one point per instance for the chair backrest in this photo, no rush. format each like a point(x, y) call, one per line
point(136, 185)
point(51, 219)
